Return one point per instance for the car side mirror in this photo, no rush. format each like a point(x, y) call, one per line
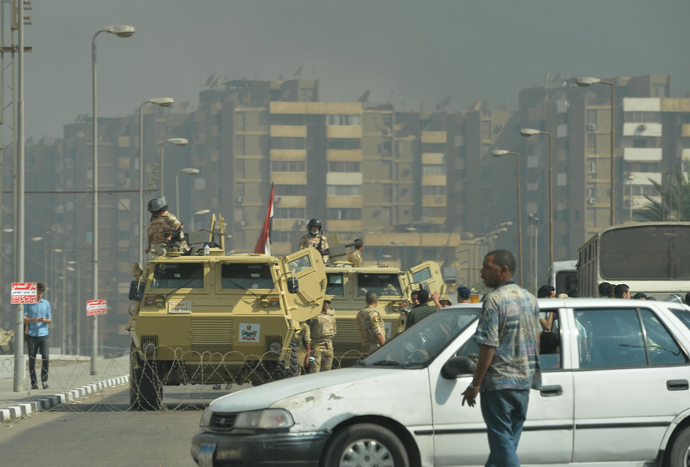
point(293, 284)
point(136, 291)
point(457, 366)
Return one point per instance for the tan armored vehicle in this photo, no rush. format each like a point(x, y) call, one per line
point(349, 285)
point(215, 319)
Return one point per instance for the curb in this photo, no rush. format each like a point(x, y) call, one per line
point(49, 402)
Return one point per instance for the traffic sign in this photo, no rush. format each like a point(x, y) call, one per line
point(96, 307)
point(23, 292)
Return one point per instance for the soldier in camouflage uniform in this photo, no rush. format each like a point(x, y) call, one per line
point(355, 256)
point(303, 338)
point(371, 326)
point(323, 330)
point(314, 238)
point(162, 223)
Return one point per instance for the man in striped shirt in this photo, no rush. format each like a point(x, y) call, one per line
point(508, 363)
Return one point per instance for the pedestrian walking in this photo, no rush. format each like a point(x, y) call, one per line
point(37, 317)
point(508, 363)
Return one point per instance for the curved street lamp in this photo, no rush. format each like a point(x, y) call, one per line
point(499, 153)
point(199, 213)
point(161, 102)
point(120, 31)
point(176, 142)
point(527, 132)
point(190, 171)
point(588, 81)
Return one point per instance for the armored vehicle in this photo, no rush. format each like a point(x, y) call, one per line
point(349, 285)
point(211, 318)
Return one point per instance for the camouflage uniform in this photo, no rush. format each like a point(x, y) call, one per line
point(161, 227)
point(303, 338)
point(355, 257)
point(370, 325)
point(309, 240)
point(323, 329)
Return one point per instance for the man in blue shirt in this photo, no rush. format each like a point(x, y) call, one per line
point(37, 316)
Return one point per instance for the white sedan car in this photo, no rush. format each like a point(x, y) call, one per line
point(615, 392)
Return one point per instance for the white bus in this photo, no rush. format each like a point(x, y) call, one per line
point(563, 276)
point(650, 257)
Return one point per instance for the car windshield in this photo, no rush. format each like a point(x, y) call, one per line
point(178, 275)
point(419, 345)
point(382, 284)
point(246, 276)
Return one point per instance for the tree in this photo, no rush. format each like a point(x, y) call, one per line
point(674, 195)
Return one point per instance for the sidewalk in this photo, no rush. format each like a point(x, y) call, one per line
point(69, 378)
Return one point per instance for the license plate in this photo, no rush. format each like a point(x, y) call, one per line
point(206, 455)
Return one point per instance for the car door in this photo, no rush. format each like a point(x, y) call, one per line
point(460, 432)
point(632, 386)
point(308, 268)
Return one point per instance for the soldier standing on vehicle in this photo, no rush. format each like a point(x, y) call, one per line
point(163, 224)
point(314, 238)
point(323, 330)
point(371, 326)
point(303, 338)
point(355, 256)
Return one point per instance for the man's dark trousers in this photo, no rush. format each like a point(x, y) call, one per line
point(35, 345)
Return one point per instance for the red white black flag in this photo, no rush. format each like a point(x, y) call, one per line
point(263, 245)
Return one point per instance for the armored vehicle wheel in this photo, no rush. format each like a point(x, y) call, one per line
point(145, 388)
point(288, 367)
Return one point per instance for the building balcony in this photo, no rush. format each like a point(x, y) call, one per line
point(344, 178)
point(288, 154)
point(289, 131)
point(685, 155)
point(345, 131)
point(434, 136)
point(642, 129)
point(287, 225)
point(641, 104)
point(433, 201)
point(343, 226)
point(289, 178)
point(433, 158)
point(291, 201)
point(562, 131)
point(434, 180)
point(642, 154)
point(352, 202)
point(346, 155)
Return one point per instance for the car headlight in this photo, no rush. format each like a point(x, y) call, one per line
point(206, 418)
point(263, 419)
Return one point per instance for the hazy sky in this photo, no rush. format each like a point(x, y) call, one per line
point(403, 51)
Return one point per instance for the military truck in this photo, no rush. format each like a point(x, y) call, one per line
point(349, 285)
point(218, 318)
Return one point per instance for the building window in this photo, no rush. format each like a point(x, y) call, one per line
point(591, 117)
point(280, 237)
point(239, 168)
point(287, 143)
point(386, 169)
point(343, 214)
point(639, 143)
point(428, 169)
point(289, 213)
point(591, 144)
point(434, 147)
point(642, 117)
point(433, 190)
point(592, 167)
point(288, 166)
point(344, 190)
point(344, 144)
point(290, 190)
point(345, 120)
point(343, 166)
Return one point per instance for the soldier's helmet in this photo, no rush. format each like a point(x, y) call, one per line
point(315, 222)
point(445, 300)
point(157, 205)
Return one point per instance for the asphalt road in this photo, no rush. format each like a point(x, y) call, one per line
point(103, 431)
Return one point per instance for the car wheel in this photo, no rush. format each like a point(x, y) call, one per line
point(679, 455)
point(145, 389)
point(290, 366)
point(365, 445)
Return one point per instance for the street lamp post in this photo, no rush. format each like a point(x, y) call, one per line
point(395, 242)
point(189, 171)
point(199, 213)
point(499, 153)
point(535, 225)
point(588, 81)
point(175, 141)
point(45, 257)
point(78, 306)
point(162, 102)
point(527, 132)
point(413, 229)
point(631, 178)
point(63, 302)
point(119, 31)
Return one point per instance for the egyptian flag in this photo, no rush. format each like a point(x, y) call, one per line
point(263, 245)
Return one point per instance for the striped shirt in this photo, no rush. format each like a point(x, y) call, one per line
point(510, 322)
